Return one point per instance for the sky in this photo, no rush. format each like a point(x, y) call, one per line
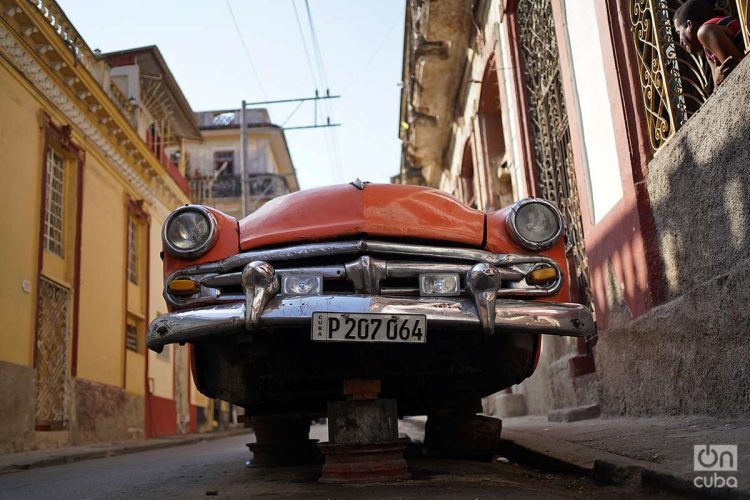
point(360, 42)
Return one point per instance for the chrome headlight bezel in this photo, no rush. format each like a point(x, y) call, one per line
point(510, 223)
point(201, 249)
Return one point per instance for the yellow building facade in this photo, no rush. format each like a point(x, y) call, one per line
point(86, 185)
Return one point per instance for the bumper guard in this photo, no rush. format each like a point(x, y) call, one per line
point(264, 309)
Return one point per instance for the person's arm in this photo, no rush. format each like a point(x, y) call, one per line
point(717, 40)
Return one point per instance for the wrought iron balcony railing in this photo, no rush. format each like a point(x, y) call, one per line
point(674, 84)
point(259, 188)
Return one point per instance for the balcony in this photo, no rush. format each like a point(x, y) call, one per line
point(156, 146)
point(224, 192)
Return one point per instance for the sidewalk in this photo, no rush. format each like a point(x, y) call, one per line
point(24, 460)
point(656, 451)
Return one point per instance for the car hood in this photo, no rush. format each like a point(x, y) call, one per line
point(390, 211)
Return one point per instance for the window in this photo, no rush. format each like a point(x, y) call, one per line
point(54, 204)
point(133, 251)
point(220, 159)
point(136, 275)
point(131, 337)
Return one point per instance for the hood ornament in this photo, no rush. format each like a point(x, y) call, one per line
point(359, 184)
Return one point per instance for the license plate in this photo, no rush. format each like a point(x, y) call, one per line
point(346, 327)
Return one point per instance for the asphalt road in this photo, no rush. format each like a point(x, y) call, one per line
point(217, 468)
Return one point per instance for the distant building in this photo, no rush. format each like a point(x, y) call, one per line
point(213, 165)
point(85, 185)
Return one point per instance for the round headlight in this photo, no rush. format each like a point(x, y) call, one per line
point(189, 232)
point(535, 224)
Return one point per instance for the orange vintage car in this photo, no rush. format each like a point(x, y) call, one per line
point(442, 303)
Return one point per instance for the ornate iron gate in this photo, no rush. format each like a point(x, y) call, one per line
point(52, 356)
point(553, 153)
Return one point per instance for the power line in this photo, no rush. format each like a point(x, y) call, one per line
point(297, 99)
point(304, 45)
point(292, 113)
point(247, 51)
point(316, 45)
point(331, 136)
point(334, 170)
point(320, 81)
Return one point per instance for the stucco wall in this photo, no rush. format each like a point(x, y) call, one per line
point(691, 354)
point(20, 178)
point(101, 327)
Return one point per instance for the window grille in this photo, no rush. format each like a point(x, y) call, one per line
point(132, 251)
point(674, 84)
point(54, 204)
point(53, 338)
point(131, 337)
point(553, 150)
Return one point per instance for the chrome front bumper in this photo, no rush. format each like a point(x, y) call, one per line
point(457, 314)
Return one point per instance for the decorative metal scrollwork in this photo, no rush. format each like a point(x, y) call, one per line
point(553, 152)
point(674, 83)
point(52, 355)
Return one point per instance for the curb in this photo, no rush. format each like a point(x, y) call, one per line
point(609, 471)
point(538, 459)
point(117, 450)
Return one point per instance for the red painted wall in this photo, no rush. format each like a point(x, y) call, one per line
point(162, 416)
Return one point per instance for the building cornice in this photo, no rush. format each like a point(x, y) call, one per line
point(62, 72)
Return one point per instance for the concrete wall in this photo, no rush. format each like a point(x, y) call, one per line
point(691, 354)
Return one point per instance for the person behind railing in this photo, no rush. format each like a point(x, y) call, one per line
point(720, 37)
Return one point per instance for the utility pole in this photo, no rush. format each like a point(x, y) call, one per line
point(243, 158)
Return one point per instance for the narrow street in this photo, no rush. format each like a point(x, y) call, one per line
point(218, 468)
point(377, 249)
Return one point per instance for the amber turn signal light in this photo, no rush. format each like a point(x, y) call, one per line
point(183, 287)
point(541, 276)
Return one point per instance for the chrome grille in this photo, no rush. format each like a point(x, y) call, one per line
point(364, 267)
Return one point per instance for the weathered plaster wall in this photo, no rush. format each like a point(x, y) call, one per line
point(691, 354)
point(106, 413)
point(17, 393)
